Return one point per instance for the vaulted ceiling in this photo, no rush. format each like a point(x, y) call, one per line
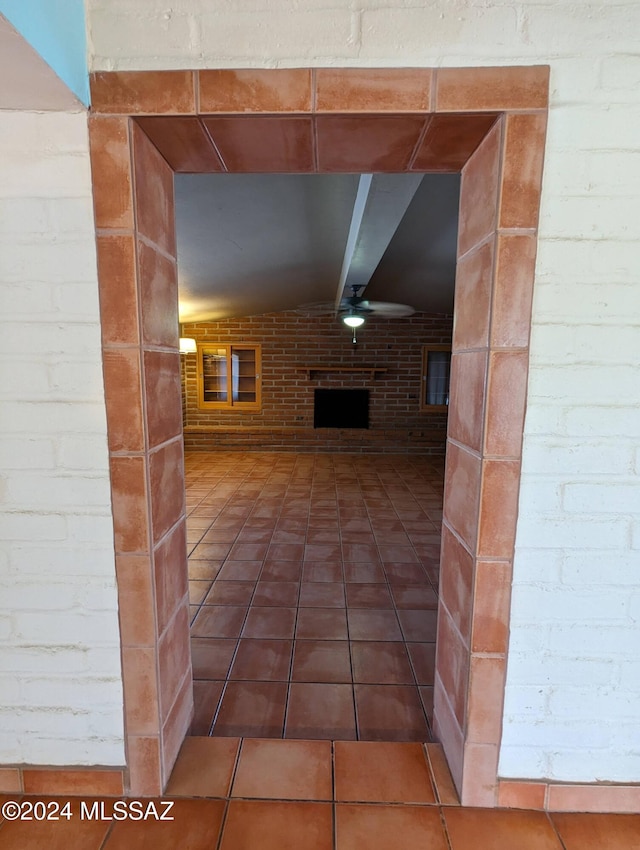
point(250, 244)
point(271, 212)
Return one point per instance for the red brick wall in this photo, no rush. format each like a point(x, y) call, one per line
point(285, 422)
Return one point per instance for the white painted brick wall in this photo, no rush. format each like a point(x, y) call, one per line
point(579, 528)
point(60, 678)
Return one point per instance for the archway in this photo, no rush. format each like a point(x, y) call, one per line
point(490, 123)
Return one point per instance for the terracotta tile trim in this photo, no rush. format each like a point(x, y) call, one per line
point(216, 149)
point(490, 237)
point(512, 793)
point(568, 797)
point(504, 88)
point(178, 437)
point(157, 248)
point(145, 92)
point(160, 541)
point(55, 780)
point(459, 539)
point(196, 92)
point(419, 142)
point(463, 446)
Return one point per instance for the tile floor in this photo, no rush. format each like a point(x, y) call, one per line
point(232, 794)
point(313, 582)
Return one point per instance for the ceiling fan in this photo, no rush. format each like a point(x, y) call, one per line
point(357, 307)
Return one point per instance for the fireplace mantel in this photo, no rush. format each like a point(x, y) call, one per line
point(373, 371)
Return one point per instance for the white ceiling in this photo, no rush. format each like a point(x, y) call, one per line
point(257, 243)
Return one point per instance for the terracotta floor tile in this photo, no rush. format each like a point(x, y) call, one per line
point(204, 768)
point(323, 535)
point(286, 551)
point(500, 829)
point(230, 593)
point(291, 525)
point(219, 621)
point(220, 535)
point(321, 624)
point(270, 623)
point(209, 551)
point(276, 593)
point(598, 831)
point(295, 510)
point(426, 695)
point(54, 835)
point(264, 522)
point(359, 538)
point(271, 511)
point(284, 770)
point(373, 624)
point(429, 551)
point(255, 535)
point(283, 535)
point(322, 711)
point(278, 826)
point(384, 827)
point(325, 519)
point(195, 524)
point(441, 775)
point(390, 713)
point(382, 773)
point(401, 574)
point(262, 660)
point(368, 596)
point(418, 625)
point(381, 663)
point(204, 570)
point(322, 594)
point(321, 661)
point(211, 657)
point(384, 524)
point(356, 524)
point(196, 825)
point(320, 571)
point(206, 696)
point(397, 554)
point(360, 552)
point(415, 596)
point(394, 538)
point(322, 552)
point(252, 710)
point(198, 591)
point(423, 659)
point(240, 571)
point(288, 571)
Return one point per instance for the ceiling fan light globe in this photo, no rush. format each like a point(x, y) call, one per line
point(353, 321)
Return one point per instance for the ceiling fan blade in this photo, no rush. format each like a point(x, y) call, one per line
point(389, 309)
point(316, 308)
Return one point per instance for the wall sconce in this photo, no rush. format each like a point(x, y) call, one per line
point(187, 345)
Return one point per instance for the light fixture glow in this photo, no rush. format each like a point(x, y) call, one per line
point(187, 345)
point(353, 321)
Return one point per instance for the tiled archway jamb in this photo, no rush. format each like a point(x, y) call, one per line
point(499, 211)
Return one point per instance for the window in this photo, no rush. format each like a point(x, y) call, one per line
point(228, 376)
point(436, 369)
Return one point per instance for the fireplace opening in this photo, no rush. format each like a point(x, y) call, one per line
point(341, 409)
